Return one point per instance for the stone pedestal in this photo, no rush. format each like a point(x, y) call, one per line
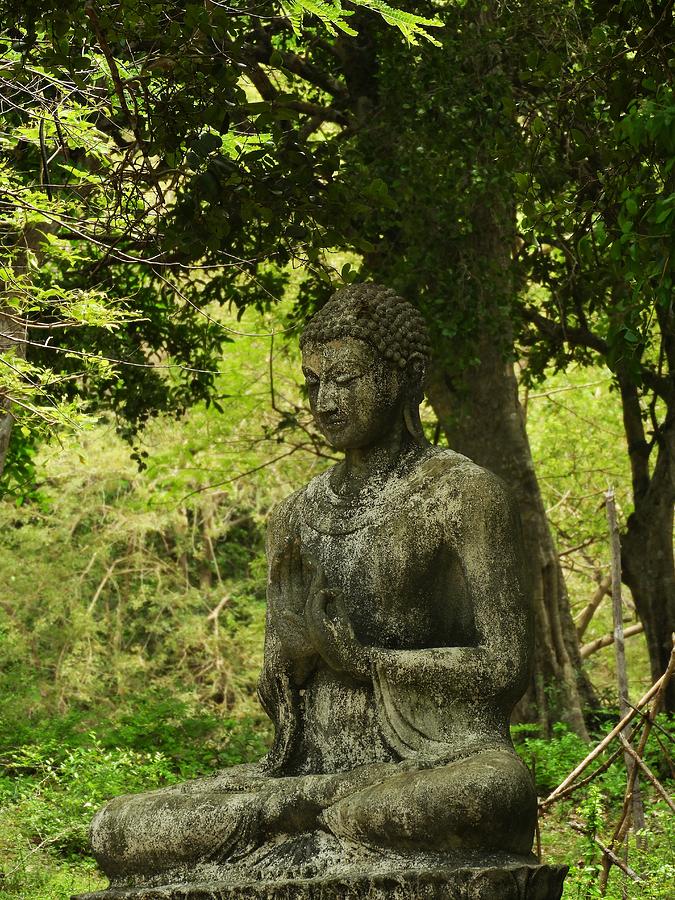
point(524, 882)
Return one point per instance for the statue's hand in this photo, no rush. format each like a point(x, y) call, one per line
point(290, 577)
point(332, 634)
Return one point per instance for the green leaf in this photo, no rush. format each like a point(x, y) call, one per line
point(663, 215)
point(538, 125)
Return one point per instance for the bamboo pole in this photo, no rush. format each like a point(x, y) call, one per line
point(620, 654)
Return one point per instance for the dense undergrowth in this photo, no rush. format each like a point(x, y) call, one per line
point(51, 787)
point(132, 618)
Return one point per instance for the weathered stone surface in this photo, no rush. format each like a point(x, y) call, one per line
point(398, 640)
point(514, 883)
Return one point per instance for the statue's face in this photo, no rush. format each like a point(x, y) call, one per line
point(355, 395)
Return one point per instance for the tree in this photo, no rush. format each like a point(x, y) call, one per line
point(187, 154)
point(597, 235)
point(162, 147)
point(300, 132)
point(530, 195)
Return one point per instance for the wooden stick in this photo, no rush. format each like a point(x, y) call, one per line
point(624, 821)
point(609, 853)
point(620, 653)
point(607, 639)
point(647, 771)
point(654, 692)
point(666, 754)
point(604, 743)
point(654, 724)
point(584, 781)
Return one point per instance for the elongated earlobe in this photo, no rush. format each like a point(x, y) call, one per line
point(411, 417)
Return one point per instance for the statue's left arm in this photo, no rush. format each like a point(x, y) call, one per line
point(486, 535)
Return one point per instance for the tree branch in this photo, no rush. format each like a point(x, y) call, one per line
point(638, 448)
point(298, 65)
point(610, 854)
point(647, 771)
point(565, 334)
point(583, 619)
point(608, 639)
point(656, 692)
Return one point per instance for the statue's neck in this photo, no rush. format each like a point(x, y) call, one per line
point(366, 467)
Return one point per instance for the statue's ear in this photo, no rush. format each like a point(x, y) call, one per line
point(416, 372)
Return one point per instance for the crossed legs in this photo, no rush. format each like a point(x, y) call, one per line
point(484, 802)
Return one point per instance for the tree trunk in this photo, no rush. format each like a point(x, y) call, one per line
point(480, 414)
point(482, 418)
point(647, 544)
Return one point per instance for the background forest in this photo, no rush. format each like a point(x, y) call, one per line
point(181, 186)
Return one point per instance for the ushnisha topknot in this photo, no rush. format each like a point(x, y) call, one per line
point(377, 315)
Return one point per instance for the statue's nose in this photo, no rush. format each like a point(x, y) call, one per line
point(326, 401)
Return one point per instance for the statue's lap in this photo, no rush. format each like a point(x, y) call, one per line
point(480, 802)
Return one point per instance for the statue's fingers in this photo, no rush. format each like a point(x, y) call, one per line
point(338, 648)
point(291, 572)
point(323, 598)
point(312, 611)
point(291, 625)
point(292, 555)
point(309, 568)
point(279, 562)
point(328, 646)
point(315, 612)
point(276, 563)
point(296, 553)
point(338, 599)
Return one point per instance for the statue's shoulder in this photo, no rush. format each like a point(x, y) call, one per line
point(284, 517)
point(457, 476)
point(287, 515)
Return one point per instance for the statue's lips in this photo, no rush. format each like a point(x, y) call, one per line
point(331, 423)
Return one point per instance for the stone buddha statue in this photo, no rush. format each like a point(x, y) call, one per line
point(398, 641)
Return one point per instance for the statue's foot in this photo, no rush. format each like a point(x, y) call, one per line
point(485, 802)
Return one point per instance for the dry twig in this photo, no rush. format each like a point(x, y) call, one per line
point(607, 639)
point(608, 853)
point(583, 619)
point(654, 693)
point(647, 771)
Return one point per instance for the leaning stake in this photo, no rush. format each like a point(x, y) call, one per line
point(620, 655)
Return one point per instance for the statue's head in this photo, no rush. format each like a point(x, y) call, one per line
point(364, 358)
